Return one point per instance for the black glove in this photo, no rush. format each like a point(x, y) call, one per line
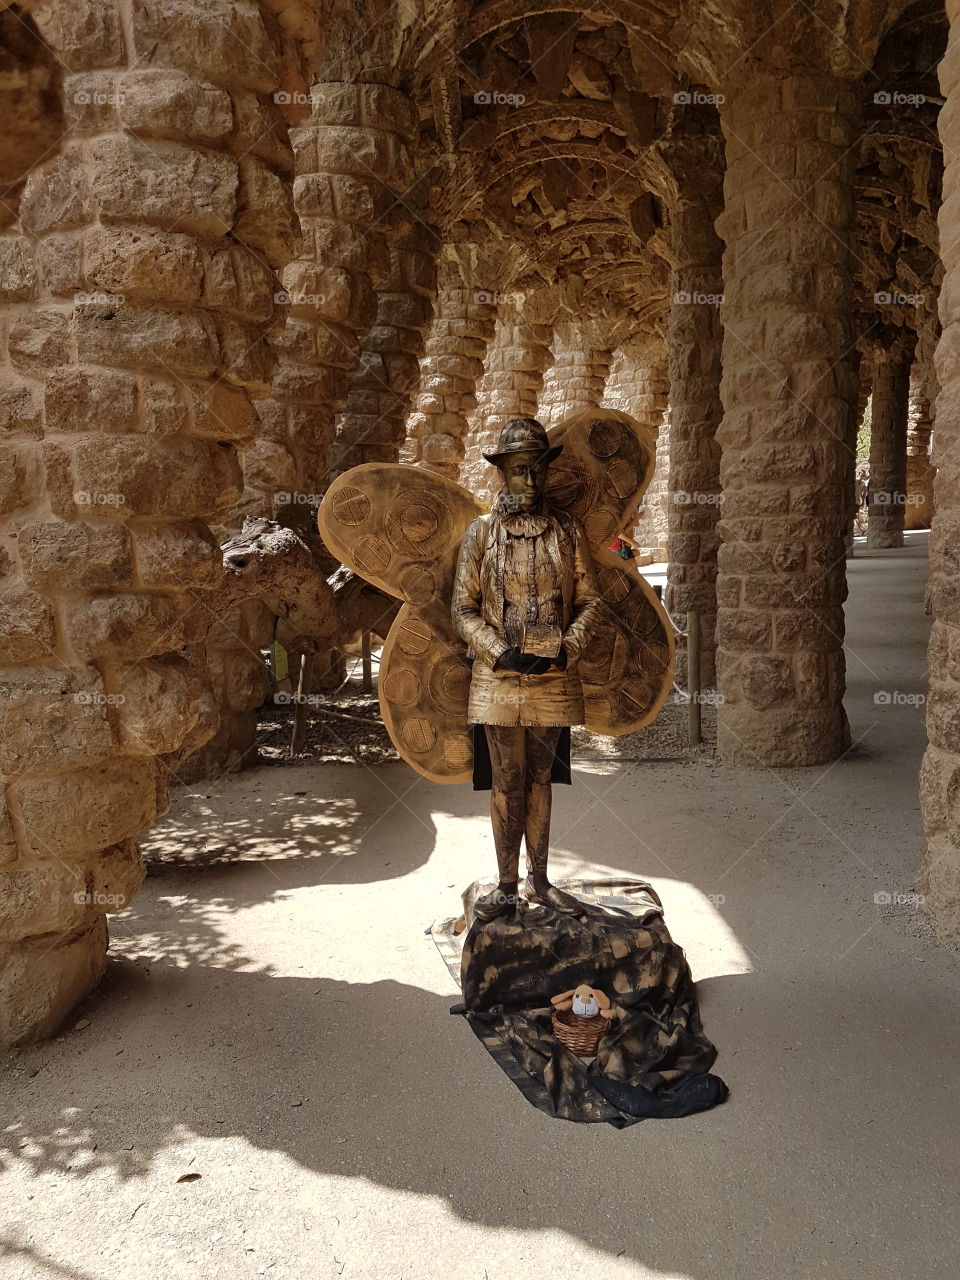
point(525, 664)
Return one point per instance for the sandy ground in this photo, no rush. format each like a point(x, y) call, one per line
point(274, 1028)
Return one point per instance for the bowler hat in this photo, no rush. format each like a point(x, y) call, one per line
point(523, 435)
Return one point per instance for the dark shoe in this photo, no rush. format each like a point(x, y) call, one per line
point(565, 903)
point(494, 904)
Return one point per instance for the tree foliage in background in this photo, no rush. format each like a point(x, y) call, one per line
point(863, 435)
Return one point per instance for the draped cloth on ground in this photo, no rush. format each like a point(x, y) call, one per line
point(655, 1060)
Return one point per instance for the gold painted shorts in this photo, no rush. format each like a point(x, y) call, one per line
point(507, 698)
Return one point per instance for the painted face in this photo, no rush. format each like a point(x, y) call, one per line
point(525, 477)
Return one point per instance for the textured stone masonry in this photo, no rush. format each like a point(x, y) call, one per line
point(452, 365)
point(888, 448)
point(136, 293)
point(694, 504)
point(787, 403)
point(577, 376)
point(940, 773)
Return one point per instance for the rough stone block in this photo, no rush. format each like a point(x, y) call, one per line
point(74, 814)
point(308, 385)
point(270, 467)
point(221, 40)
point(26, 628)
point(349, 150)
point(943, 715)
point(57, 194)
point(86, 33)
point(18, 475)
point(939, 788)
point(443, 450)
point(766, 681)
point(79, 398)
point(115, 877)
point(143, 265)
point(18, 271)
point(260, 130)
point(171, 104)
point(20, 412)
point(221, 412)
point(59, 264)
point(182, 341)
point(38, 898)
point(42, 978)
point(131, 626)
point(40, 338)
point(165, 183)
point(165, 404)
point(160, 705)
point(237, 279)
point(819, 631)
point(90, 103)
point(125, 476)
point(265, 218)
point(241, 677)
point(247, 359)
point(177, 553)
point(71, 557)
point(740, 629)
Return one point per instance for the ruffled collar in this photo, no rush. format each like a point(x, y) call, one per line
point(525, 526)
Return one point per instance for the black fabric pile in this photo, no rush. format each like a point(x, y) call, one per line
point(653, 1063)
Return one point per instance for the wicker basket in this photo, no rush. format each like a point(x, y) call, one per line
point(581, 1035)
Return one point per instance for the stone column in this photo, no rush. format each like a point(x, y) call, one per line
point(452, 365)
point(888, 448)
point(920, 471)
point(346, 152)
point(923, 395)
point(787, 225)
point(694, 345)
point(639, 384)
point(351, 153)
point(940, 774)
point(578, 374)
point(402, 263)
point(511, 385)
point(137, 292)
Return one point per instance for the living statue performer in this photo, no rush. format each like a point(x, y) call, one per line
point(526, 604)
point(516, 623)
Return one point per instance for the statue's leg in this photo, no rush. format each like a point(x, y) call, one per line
point(541, 749)
point(507, 745)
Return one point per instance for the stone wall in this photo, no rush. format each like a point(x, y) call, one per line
point(939, 775)
point(138, 287)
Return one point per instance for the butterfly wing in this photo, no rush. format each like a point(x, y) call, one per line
point(401, 528)
point(627, 670)
point(607, 462)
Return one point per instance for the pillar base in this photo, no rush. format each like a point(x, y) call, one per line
point(939, 882)
point(884, 541)
point(781, 739)
point(43, 978)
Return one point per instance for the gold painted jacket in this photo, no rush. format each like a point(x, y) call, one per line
point(493, 586)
